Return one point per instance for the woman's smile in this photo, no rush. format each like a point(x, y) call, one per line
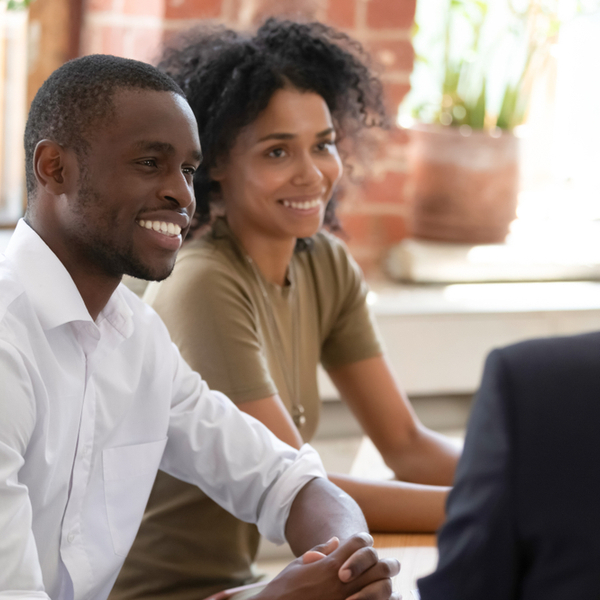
point(282, 170)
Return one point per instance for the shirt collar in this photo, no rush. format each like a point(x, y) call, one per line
point(51, 289)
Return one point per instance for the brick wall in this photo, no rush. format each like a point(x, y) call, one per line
point(373, 211)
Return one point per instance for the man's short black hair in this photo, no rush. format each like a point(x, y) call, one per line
point(78, 97)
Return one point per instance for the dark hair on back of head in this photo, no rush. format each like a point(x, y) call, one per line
point(78, 97)
point(230, 77)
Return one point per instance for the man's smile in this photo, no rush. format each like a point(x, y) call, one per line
point(163, 227)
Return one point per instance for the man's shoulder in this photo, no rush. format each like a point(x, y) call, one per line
point(546, 372)
point(11, 288)
point(18, 319)
point(559, 349)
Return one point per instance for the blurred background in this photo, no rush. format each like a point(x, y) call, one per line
point(510, 68)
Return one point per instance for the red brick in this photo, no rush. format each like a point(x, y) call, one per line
point(342, 13)
point(369, 259)
point(192, 9)
point(357, 228)
point(394, 93)
point(292, 9)
point(387, 190)
point(392, 54)
point(398, 135)
point(390, 14)
point(99, 5)
point(391, 229)
point(154, 8)
point(145, 45)
point(112, 40)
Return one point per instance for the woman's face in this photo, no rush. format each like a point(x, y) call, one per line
point(281, 172)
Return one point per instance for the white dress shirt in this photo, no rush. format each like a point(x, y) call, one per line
point(88, 412)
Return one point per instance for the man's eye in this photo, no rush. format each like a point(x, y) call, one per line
point(189, 171)
point(148, 162)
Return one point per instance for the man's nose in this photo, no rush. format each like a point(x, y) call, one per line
point(179, 190)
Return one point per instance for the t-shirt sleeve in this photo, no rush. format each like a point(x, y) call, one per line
point(353, 334)
point(210, 317)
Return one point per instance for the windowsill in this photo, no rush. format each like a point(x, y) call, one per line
point(437, 337)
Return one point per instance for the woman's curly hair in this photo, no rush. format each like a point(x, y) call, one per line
point(229, 78)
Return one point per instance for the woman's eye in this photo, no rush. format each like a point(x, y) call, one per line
point(189, 171)
point(326, 146)
point(148, 162)
point(277, 153)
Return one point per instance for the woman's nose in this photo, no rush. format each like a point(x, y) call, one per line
point(307, 172)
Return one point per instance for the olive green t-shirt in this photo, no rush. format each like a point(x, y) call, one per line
point(215, 308)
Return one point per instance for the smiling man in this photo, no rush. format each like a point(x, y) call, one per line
point(94, 396)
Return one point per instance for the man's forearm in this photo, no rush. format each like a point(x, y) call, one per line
point(320, 511)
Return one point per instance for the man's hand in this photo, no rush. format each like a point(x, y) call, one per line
point(332, 571)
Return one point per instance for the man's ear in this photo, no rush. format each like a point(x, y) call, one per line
point(53, 167)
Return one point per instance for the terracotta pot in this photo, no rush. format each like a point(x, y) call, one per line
point(462, 188)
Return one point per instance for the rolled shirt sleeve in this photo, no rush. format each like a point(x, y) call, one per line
point(234, 458)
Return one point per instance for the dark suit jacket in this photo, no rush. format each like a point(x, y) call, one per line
point(523, 519)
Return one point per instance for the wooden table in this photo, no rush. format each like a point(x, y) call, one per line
point(417, 554)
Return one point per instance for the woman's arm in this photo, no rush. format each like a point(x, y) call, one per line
point(412, 451)
point(387, 505)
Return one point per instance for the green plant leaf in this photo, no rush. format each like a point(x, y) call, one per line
point(18, 4)
point(506, 117)
point(476, 115)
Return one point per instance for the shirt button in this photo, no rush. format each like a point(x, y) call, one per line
point(71, 538)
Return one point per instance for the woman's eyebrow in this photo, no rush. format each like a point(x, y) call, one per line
point(278, 136)
point(326, 132)
point(290, 136)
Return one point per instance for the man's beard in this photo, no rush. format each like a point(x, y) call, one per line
point(112, 259)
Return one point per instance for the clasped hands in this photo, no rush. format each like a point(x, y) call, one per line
point(336, 571)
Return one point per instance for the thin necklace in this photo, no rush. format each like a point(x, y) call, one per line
point(292, 380)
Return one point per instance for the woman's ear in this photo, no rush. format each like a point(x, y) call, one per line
point(53, 167)
point(217, 171)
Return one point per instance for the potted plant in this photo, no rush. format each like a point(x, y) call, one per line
point(473, 77)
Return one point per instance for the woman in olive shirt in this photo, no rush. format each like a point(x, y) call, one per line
point(264, 296)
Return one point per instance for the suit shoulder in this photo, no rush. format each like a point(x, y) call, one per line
point(564, 349)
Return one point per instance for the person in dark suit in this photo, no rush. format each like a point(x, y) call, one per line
point(523, 519)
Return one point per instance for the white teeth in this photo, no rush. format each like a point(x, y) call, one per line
point(161, 226)
point(301, 205)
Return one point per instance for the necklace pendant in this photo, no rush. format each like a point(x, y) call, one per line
point(298, 416)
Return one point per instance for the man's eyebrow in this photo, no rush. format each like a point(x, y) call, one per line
point(290, 136)
point(146, 145)
point(164, 148)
